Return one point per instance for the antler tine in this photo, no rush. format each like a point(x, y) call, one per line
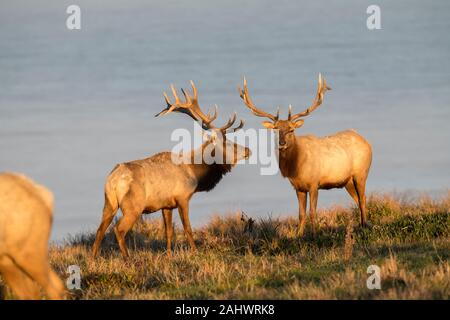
point(214, 117)
point(189, 107)
point(206, 119)
point(186, 96)
point(166, 97)
point(290, 111)
point(240, 126)
point(167, 109)
point(194, 89)
point(243, 93)
point(321, 89)
point(229, 123)
point(175, 95)
point(228, 130)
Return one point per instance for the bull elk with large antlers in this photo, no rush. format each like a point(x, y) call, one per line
point(160, 183)
point(312, 163)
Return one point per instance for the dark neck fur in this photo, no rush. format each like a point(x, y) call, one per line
point(209, 175)
point(288, 161)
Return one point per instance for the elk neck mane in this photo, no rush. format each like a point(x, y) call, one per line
point(209, 175)
point(288, 161)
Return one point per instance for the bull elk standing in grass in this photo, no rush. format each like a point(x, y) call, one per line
point(159, 183)
point(25, 223)
point(312, 163)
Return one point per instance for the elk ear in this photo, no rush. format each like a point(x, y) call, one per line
point(298, 124)
point(268, 125)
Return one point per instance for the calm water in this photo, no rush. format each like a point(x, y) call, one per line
point(75, 103)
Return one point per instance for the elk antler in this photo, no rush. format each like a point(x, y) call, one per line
point(243, 93)
point(230, 123)
point(322, 87)
point(191, 107)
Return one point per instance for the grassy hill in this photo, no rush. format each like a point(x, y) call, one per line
point(409, 240)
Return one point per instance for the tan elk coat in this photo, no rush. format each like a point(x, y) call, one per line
point(160, 183)
point(25, 223)
point(312, 163)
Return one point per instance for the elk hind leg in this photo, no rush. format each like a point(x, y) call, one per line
point(350, 187)
point(121, 229)
point(183, 210)
point(360, 186)
point(109, 210)
point(168, 227)
point(131, 213)
point(22, 286)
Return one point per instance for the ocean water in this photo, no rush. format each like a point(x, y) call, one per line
point(75, 103)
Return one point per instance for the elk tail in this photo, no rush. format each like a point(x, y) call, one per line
point(111, 201)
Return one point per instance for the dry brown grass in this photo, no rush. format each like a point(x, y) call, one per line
point(409, 240)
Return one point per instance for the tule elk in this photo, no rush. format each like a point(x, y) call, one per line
point(162, 182)
point(312, 163)
point(25, 223)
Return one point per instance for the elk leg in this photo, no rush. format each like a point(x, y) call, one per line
point(131, 211)
point(183, 210)
point(302, 197)
point(360, 186)
point(121, 229)
point(23, 287)
point(168, 227)
point(38, 269)
point(56, 282)
point(313, 195)
point(350, 187)
point(108, 215)
point(52, 285)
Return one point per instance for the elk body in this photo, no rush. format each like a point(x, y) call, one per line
point(312, 163)
point(25, 223)
point(160, 183)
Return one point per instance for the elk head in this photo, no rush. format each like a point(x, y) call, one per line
point(287, 127)
point(231, 152)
